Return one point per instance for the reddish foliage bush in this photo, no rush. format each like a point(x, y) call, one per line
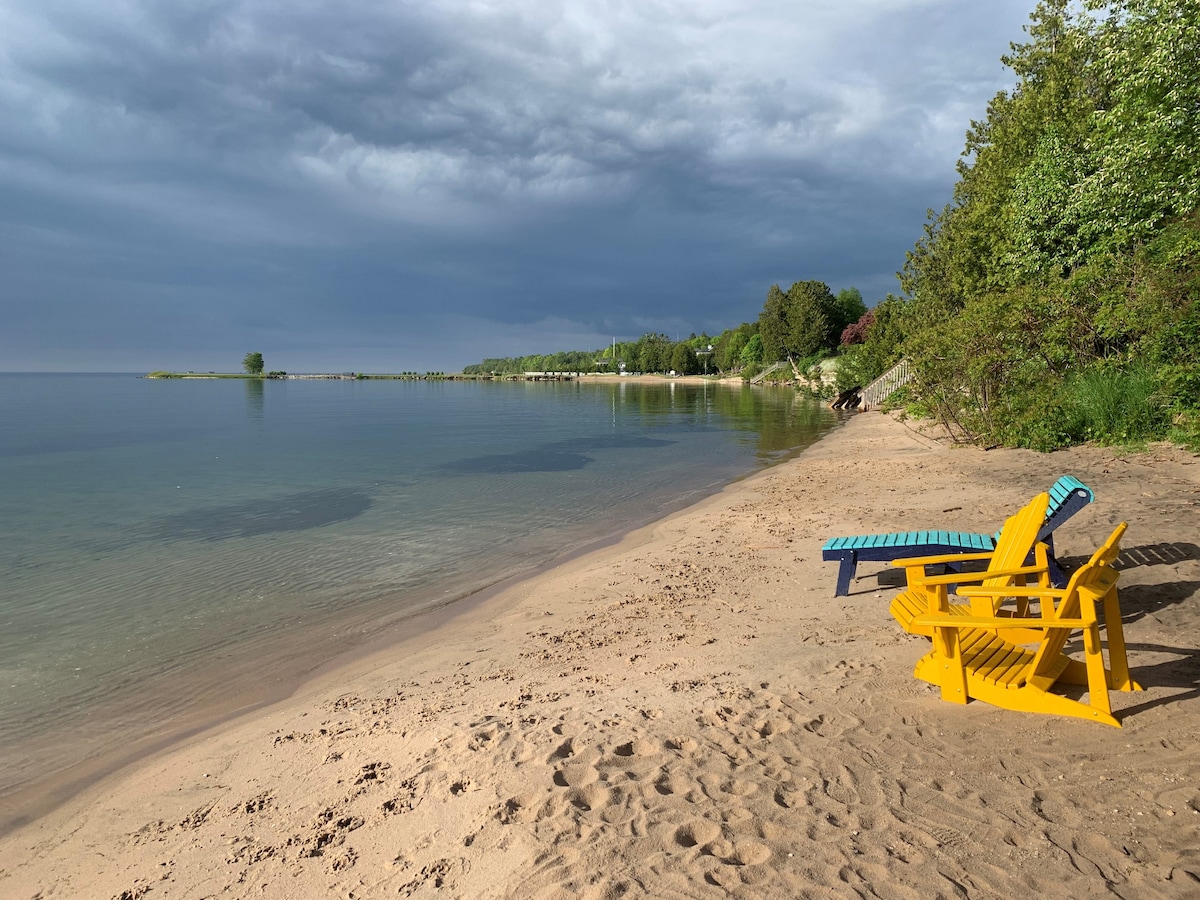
point(857, 333)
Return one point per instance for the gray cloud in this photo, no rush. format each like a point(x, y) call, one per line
point(394, 186)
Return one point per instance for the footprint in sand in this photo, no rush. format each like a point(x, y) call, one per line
point(739, 787)
point(697, 833)
point(791, 795)
point(749, 853)
point(576, 773)
point(255, 804)
point(521, 808)
point(774, 726)
point(668, 783)
point(639, 747)
point(572, 746)
point(685, 746)
point(738, 853)
point(440, 875)
point(592, 798)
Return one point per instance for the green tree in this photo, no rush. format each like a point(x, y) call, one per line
point(651, 353)
point(1016, 207)
point(773, 324)
point(1145, 135)
point(752, 353)
point(812, 319)
point(684, 360)
point(800, 323)
point(848, 308)
point(1046, 235)
point(253, 363)
point(727, 348)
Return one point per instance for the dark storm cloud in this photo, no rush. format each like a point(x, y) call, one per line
point(396, 185)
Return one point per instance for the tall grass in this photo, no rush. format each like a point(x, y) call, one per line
point(1115, 406)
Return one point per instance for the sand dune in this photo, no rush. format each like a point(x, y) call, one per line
point(692, 713)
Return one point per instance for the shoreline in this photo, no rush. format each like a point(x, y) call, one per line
point(689, 709)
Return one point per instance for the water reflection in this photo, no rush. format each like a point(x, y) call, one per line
point(780, 418)
point(254, 398)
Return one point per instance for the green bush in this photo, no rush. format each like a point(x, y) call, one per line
point(857, 368)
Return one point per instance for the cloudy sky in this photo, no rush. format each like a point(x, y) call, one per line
point(392, 185)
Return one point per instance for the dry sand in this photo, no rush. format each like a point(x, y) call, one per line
point(692, 713)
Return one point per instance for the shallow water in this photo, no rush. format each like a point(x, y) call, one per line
point(172, 549)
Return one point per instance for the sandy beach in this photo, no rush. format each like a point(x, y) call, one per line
point(692, 713)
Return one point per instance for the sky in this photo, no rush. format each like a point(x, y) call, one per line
point(415, 185)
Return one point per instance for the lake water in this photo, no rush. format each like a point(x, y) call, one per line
point(173, 550)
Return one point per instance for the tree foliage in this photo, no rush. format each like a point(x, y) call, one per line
point(848, 308)
point(1145, 135)
point(728, 347)
point(856, 332)
point(684, 360)
point(752, 354)
point(1068, 256)
point(253, 363)
point(801, 323)
point(652, 352)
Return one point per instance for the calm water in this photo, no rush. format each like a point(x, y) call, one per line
point(172, 549)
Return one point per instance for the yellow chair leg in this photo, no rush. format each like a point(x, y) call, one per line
point(953, 675)
point(1097, 677)
point(1117, 660)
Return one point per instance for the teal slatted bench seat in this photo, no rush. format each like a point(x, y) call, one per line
point(1067, 497)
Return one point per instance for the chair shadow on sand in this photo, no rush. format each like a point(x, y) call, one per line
point(1162, 554)
point(1181, 672)
point(1137, 600)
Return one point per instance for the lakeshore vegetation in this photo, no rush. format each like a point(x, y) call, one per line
point(1056, 298)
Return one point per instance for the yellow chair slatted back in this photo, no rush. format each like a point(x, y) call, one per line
point(1091, 582)
point(1016, 540)
point(1018, 535)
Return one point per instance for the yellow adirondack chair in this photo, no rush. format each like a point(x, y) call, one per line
point(1006, 567)
point(970, 659)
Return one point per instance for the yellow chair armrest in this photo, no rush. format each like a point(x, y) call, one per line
point(988, 623)
point(966, 577)
point(1032, 591)
point(944, 558)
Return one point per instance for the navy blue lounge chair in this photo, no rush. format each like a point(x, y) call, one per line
point(1067, 497)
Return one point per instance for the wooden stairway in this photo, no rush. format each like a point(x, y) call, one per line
point(886, 384)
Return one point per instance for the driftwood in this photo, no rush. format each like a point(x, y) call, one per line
point(847, 399)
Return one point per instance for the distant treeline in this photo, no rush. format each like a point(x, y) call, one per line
point(1056, 299)
point(650, 353)
point(804, 322)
